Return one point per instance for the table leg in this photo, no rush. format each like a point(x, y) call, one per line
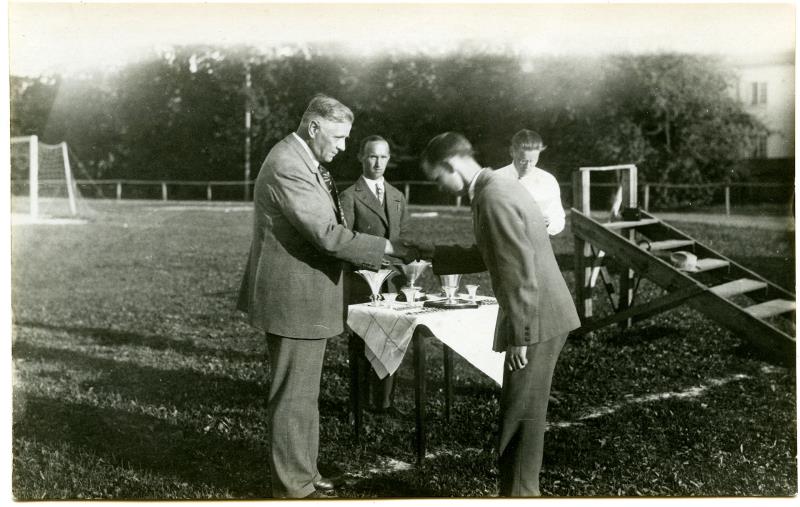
point(448, 380)
point(419, 393)
point(355, 347)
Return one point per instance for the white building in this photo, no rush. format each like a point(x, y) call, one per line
point(765, 87)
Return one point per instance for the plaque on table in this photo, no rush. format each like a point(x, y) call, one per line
point(451, 304)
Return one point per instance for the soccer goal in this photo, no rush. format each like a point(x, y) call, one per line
point(41, 179)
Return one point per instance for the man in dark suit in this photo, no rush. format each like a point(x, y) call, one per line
point(373, 206)
point(292, 287)
point(536, 309)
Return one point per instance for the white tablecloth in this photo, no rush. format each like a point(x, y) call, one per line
point(387, 333)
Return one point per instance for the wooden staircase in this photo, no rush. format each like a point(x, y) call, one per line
point(721, 289)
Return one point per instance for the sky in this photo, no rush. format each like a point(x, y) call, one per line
point(70, 36)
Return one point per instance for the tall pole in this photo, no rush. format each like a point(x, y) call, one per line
point(33, 175)
point(70, 182)
point(247, 83)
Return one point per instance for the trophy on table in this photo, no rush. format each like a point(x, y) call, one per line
point(413, 270)
point(375, 280)
point(450, 284)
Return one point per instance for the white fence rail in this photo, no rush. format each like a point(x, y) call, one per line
point(647, 190)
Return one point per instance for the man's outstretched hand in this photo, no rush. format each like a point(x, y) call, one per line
point(424, 250)
point(408, 253)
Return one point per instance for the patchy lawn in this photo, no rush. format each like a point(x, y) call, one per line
point(134, 378)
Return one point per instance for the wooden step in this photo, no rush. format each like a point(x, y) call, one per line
point(668, 244)
point(771, 308)
point(709, 264)
point(739, 286)
point(630, 225)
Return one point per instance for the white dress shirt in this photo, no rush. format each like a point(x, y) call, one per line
point(544, 189)
point(373, 185)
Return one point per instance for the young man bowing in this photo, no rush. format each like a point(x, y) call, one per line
point(536, 309)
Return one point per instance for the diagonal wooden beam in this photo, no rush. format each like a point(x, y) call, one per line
point(643, 311)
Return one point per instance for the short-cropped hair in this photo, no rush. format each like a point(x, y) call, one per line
point(370, 139)
point(444, 146)
point(527, 140)
point(327, 108)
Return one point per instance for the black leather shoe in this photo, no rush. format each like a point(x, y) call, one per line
point(324, 484)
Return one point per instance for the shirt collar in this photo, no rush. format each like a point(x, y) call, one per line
point(305, 146)
point(471, 189)
point(372, 184)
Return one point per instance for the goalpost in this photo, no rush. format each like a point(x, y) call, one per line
point(42, 172)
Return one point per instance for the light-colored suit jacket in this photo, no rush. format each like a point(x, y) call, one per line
point(293, 286)
point(513, 245)
point(364, 213)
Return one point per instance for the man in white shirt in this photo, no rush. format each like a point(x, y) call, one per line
point(526, 146)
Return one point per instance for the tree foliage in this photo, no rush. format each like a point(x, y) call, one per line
point(180, 115)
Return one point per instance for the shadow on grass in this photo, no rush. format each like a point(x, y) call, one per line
point(143, 442)
point(388, 485)
point(752, 352)
point(183, 388)
point(643, 332)
point(778, 270)
point(119, 337)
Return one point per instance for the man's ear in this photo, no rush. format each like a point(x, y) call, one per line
point(313, 128)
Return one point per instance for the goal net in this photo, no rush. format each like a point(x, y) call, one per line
point(42, 182)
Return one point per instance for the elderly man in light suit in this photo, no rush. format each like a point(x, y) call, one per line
point(292, 287)
point(536, 309)
point(373, 206)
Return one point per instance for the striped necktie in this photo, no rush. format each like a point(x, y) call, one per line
point(326, 177)
point(379, 193)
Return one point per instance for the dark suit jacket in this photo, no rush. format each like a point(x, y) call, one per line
point(293, 286)
point(363, 213)
point(512, 243)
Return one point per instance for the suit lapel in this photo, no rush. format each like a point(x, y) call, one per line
point(365, 195)
point(392, 197)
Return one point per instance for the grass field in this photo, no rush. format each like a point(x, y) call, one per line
point(134, 378)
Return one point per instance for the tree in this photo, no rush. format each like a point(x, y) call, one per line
point(673, 115)
point(180, 113)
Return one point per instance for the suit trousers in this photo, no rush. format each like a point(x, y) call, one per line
point(523, 410)
point(293, 412)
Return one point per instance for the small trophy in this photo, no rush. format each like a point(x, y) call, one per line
point(375, 280)
point(450, 284)
point(413, 270)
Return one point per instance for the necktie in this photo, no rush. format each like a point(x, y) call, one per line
point(379, 193)
point(326, 177)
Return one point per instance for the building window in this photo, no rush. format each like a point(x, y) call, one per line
point(758, 94)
